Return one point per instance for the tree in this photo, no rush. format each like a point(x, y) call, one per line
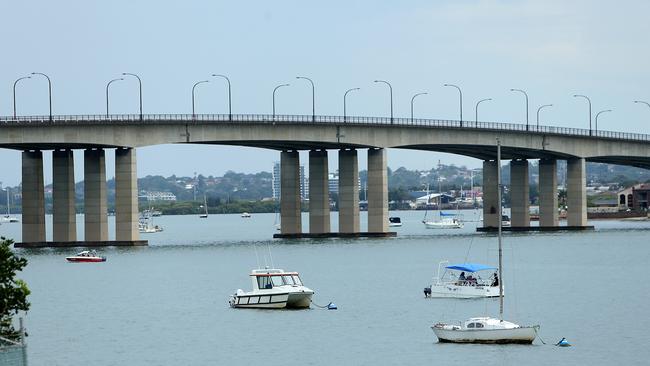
point(13, 291)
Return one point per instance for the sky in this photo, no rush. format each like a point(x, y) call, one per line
point(553, 49)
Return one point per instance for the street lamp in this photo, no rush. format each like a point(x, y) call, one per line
point(598, 114)
point(539, 109)
point(526, 95)
point(412, 99)
point(194, 87)
point(391, 97)
point(642, 102)
point(476, 108)
point(313, 97)
point(229, 95)
point(460, 92)
point(107, 85)
point(344, 102)
point(276, 88)
point(140, 89)
point(588, 100)
point(49, 89)
point(16, 82)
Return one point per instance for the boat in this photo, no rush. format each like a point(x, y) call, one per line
point(8, 217)
point(462, 281)
point(273, 289)
point(205, 206)
point(245, 215)
point(146, 225)
point(505, 221)
point(488, 329)
point(394, 221)
point(444, 223)
point(86, 256)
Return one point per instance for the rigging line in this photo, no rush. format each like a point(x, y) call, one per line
point(268, 246)
point(257, 257)
point(471, 240)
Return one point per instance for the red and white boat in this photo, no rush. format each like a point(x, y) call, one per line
point(86, 256)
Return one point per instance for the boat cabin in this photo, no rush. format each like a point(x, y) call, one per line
point(395, 220)
point(267, 279)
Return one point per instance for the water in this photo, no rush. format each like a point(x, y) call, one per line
point(166, 304)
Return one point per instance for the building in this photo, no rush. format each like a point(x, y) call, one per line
point(157, 196)
point(275, 186)
point(634, 198)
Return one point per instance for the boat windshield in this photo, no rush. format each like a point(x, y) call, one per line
point(267, 282)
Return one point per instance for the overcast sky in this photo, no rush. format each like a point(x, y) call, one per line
point(551, 48)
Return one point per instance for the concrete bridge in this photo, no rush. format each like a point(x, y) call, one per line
point(289, 134)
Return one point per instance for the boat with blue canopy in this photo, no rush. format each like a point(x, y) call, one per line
point(463, 281)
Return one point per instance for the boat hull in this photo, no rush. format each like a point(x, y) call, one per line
point(438, 225)
point(521, 335)
point(463, 292)
point(88, 260)
point(291, 300)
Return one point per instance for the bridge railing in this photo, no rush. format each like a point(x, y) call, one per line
point(309, 119)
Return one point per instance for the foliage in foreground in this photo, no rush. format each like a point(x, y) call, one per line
point(13, 291)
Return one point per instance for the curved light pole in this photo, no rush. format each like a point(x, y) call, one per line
point(107, 85)
point(16, 82)
point(476, 108)
point(194, 87)
point(229, 95)
point(391, 97)
point(588, 100)
point(412, 99)
point(539, 109)
point(313, 97)
point(276, 88)
point(460, 92)
point(49, 89)
point(526, 95)
point(139, 88)
point(344, 102)
point(642, 102)
point(598, 114)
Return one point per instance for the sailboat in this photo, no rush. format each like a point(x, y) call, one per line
point(205, 206)
point(487, 329)
point(445, 221)
point(8, 217)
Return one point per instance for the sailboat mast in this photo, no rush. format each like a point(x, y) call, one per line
point(499, 231)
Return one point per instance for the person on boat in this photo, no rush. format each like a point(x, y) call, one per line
point(495, 280)
point(471, 281)
point(461, 279)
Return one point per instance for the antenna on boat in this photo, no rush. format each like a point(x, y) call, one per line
point(500, 218)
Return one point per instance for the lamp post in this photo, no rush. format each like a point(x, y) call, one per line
point(229, 95)
point(460, 93)
point(526, 95)
point(412, 99)
point(596, 119)
point(49, 90)
point(344, 102)
point(16, 82)
point(539, 109)
point(107, 85)
point(588, 100)
point(476, 108)
point(274, 90)
point(139, 88)
point(193, 88)
point(642, 102)
point(391, 97)
point(313, 97)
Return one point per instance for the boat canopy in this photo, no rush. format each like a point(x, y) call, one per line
point(469, 267)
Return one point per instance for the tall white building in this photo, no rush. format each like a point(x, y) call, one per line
point(304, 182)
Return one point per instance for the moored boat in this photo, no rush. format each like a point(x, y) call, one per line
point(86, 256)
point(394, 221)
point(245, 215)
point(273, 289)
point(453, 282)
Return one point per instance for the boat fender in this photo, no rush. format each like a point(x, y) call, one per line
point(563, 343)
point(331, 306)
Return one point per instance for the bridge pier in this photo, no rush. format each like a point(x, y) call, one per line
point(548, 202)
point(290, 220)
point(519, 193)
point(576, 192)
point(377, 191)
point(33, 197)
point(126, 195)
point(64, 214)
point(319, 203)
point(348, 192)
point(95, 214)
point(491, 204)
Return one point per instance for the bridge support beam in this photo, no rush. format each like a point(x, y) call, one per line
point(519, 193)
point(548, 214)
point(126, 195)
point(319, 203)
point(33, 200)
point(576, 192)
point(377, 191)
point(64, 214)
point(95, 215)
point(491, 204)
point(348, 192)
point(290, 193)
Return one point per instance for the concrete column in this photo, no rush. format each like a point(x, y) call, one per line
point(95, 216)
point(126, 196)
point(33, 200)
point(548, 215)
point(290, 193)
point(319, 203)
point(519, 193)
point(377, 191)
point(576, 192)
point(64, 214)
point(348, 192)
point(491, 204)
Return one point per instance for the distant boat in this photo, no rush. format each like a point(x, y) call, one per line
point(205, 206)
point(273, 289)
point(86, 256)
point(8, 217)
point(394, 221)
point(451, 284)
point(146, 225)
point(245, 215)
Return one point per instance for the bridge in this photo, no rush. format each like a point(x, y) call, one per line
point(290, 134)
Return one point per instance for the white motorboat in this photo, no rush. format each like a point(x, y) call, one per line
point(245, 215)
point(486, 329)
point(146, 225)
point(505, 221)
point(444, 223)
point(394, 222)
point(273, 289)
point(453, 282)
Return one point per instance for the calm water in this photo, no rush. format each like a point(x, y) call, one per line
point(166, 304)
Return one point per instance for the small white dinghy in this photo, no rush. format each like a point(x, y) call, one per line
point(273, 289)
